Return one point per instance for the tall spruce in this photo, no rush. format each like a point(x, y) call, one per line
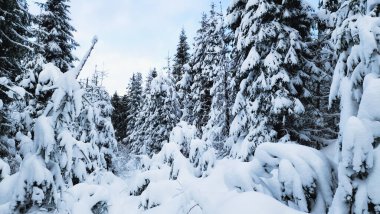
point(274, 74)
point(151, 75)
point(217, 127)
point(134, 102)
point(15, 36)
point(94, 123)
point(15, 46)
point(205, 62)
point(55, 34)
point(356, 83)
point(159, 114)
point(181, 57)
point(117, 117)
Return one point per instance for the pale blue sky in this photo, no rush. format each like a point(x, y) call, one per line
point(134, 35)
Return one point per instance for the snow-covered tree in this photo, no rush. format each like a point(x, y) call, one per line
point(55, 34)
point(182, 134)
point(356, 83)
point(202, 155)
point(151, 75)
point(94, 122)
point(274, 74)
point(201, 62)
point(118, 119)
point(56, 159)
point(15, 122)
point(304, 174)
point(181, 57)
point(14, 38)
point(217, 127)
point(134, 102)
point(159, 114)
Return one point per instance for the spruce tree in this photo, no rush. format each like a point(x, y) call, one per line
point(274, 74)
point(117, 117)
point(15, 28)
point(56, 158)
point(55, 34)
point(151, 75)
point(217, 127)
point(94, 122)
point(206, 59)
point(181, 57)
point(159, 115)
point(134, 102)
point(323, 123)
point(15, 46)
point(356, 83)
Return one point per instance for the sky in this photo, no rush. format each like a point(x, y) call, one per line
point(134, 35)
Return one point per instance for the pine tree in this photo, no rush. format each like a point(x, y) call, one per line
point(151, 75)
point(181, 57)
point(94, 122)
point(217, 126)
point(134, 102)
point(57, 159)
point(117, 117)
point(323, 123)
point(206, 60)
point(356, 82)
point(191, 78)
point(14, 38)
point(274, 75)
point(55, 34)
point(159, 114)
point(15, 46)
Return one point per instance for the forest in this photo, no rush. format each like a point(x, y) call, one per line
point(275, 108)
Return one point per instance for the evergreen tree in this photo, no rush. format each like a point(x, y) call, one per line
point(323, 123)
point(217, 126)
point(151, 75)
point(201, 75)
point(15, 46)
point(159, 114)
point(181, 57)
point(55, 34)
point(206, 60)
point(274, 76)
point(134, 102)
point(356, 82)
point(14, 38)
point(55, 159)
point(94, 122)
point(117, 117)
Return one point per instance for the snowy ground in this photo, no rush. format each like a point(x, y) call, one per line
point(214, 194)
point(220, 192)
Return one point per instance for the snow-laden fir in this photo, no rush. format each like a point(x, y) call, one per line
point(274, 110)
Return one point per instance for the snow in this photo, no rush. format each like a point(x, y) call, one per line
point(5, 170)
point(33, 180)
point(357, 146)
point(243, 203)
point(373, 181)
point(251, 60)
point(370, 102)
point(49, 73)
point(187, 194)
point(44, 140)
point(182, 134)
point(300, 168)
